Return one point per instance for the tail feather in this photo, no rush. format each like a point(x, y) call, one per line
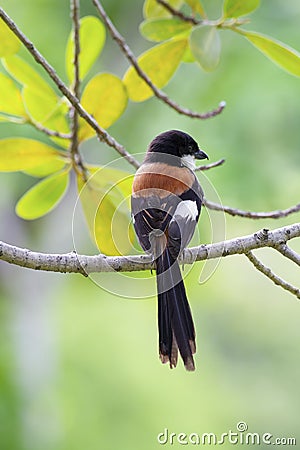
point(175, 323)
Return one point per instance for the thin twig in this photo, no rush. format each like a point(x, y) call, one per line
point(74, 150)
point(275, 278)
point(211, 165)
point(102, 134)
point(74, 263)
point(133, 61)
point(51, 133)
point(250, 214)
point(232, 23)
point(286, 251)
point(179, 14)
point(76, 27)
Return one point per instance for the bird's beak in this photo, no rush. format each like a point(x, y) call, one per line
point(200, 154)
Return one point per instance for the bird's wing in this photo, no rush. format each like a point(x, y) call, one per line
point(151, 216)
point(184, 219)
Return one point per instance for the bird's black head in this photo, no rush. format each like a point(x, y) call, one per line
point(179, 145)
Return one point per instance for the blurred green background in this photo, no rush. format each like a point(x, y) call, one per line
point(78, 365)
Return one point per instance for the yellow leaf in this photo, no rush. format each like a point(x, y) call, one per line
point(38, 105)
point(161, 29)
point(10, 98)
point(92, 39)
point(104, 199)
point(22, 154)
point(196, 6)
point(43, 197)
point(9, 43)
point(237, 8)
point(278, 52)
point(49, 112)
point(21, 71)
point(188, 56)
point(105, 98)
point(159, 63)
point(52, 167)
point(41, 101)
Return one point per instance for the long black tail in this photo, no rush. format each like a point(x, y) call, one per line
point(175, 322)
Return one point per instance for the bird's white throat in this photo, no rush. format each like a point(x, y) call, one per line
point(189, 161)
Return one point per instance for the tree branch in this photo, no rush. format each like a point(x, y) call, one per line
point(222, 23)
point(250, 214)
point(76, 27)
point(286, 251)
point(179, 14)
point(275, 278)
point(211, 165)
point(48, 132)
point(76, 82)
point(133, 61)
point(74, 146)
point(102, 134)
point(74, 263)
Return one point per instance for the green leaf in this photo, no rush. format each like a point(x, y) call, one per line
point(92, 39)
point(9, 43)
point(159, 63)
point(278, 52)
point(152, 9)
point(23, 154)
point(10, 98)
point(237, 8)
point(162, 29)
point(43, 197)
point(105, 98)
point(106, 209)
point(205, 45)
point(196, 6)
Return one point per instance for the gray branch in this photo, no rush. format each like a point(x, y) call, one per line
point(286, 251)
point(272, 276)
point(180, 15)
point(251, 214)
point(76, 82)
point(74, 263)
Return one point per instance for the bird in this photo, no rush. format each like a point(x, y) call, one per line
point(165, 207)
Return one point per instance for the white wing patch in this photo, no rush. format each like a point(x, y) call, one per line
point(186, 209)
